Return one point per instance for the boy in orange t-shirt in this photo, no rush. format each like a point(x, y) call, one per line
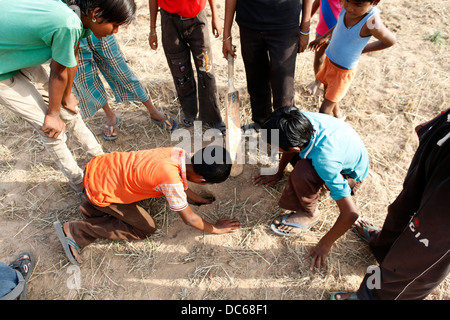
point(115, 182)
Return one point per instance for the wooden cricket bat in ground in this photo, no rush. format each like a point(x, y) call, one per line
point(232, 121)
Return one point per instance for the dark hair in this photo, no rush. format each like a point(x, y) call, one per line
point(115, 11)
point(213, 163)
point(294, 129)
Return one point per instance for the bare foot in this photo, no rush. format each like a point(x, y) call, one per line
point(313, 87)
point(154, 113)
point(71, 104)
point(109, 129)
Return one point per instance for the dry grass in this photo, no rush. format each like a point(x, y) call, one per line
point(394, 91)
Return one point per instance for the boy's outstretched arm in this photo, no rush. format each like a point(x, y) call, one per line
point(375, 27)
point(320, 41)
point(220, 227)
point(270, 180)
point(347, 217)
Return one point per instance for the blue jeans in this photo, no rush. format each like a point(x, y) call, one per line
point(8, 279)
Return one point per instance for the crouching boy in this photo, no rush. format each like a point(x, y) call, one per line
point(325, 152)
point(115, 182)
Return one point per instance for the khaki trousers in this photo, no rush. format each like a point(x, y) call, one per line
point(26, 95)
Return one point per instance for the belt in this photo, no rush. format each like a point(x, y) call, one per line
point(174, 15)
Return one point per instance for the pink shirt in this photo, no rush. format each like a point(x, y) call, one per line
point(328, 15)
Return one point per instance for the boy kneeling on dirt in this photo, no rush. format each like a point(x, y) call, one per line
point(325, 152)
point(115, 182)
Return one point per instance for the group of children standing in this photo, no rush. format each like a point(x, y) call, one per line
point(324, 151)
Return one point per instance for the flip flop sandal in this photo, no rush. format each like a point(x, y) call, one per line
point(188, 122)
point(24, 268)
point(111, 129)
point(67, 243)
point(352, 296)
point(169, 124)
point(274, 227)
point(219, 126)
point(366, 230)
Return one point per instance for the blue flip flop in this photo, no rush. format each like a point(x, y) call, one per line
point(219, 126)
point(66, 243)
point(353, 295)
point(366, 230)
point(188, 122)
point(168, 124)
point(274, 227)
point(114, 127)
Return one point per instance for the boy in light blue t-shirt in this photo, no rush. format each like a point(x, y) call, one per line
point(358, 21)
point(326, 153)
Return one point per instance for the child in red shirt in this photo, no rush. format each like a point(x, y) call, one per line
point(115, 182)
point(184, 33)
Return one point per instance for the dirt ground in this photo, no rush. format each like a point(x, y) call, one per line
point(394, 90)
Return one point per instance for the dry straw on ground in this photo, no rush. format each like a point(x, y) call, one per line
point(394, 90)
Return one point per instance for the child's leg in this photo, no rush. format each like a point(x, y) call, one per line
point(121, 78)
point(120, 222)
point(331, 108)
point(154, 113)
point(336, 84)
point(319, 57)
point(89, 211)
point(178, 57)
point(81, 133)
point(200, 45)
point(111, 121)
point(21, 96)
point(87, 85)
point(257, 66)
point(283, 51)
point(301, 192)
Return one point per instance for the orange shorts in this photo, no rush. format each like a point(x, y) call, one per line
point(336, 80)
